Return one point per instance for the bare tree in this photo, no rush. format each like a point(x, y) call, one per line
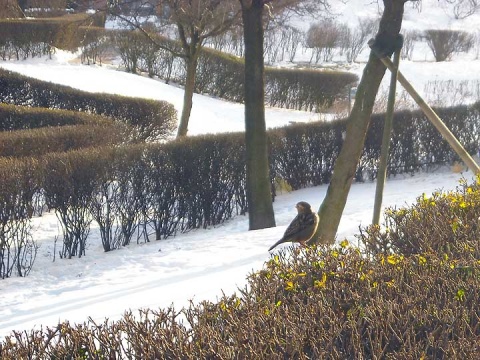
point(323, 37)
point(259, 198)
point(195, 21)
point(445, 43)
point(409, 39)
point(355, 39)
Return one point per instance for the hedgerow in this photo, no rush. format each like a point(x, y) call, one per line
point(340, 302)
point(14, 117)
point(158, 190)
point(26, 38)
point(37, 142)
point(220, 74)
point(148, 119)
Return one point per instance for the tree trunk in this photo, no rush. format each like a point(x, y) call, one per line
point(331, 210)
point(259, 197)
point(191, 69)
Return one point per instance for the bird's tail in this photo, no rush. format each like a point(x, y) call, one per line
point(281, 241)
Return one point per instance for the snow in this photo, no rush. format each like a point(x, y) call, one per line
point(208, 114)
point(198, 265)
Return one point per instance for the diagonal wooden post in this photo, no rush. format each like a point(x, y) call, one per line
point(433, 117)
point(387, 132)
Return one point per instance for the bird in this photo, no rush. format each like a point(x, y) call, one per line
point(303, 226)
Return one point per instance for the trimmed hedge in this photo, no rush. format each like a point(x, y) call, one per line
point(68, 181)
point(44, 140)
point(24, 38)
point(306, 89)
point(315, 303)
point(198, 182)
point(14, 117)
point(222, 75)
point(218, 74)
point(151, 120)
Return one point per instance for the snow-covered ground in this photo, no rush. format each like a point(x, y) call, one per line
point(208, 114)
point(200, 264)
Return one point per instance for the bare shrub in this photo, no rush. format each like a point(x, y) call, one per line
point(464, 8)
point(129, 46)
point(476, 45)
point(69, 190)
point(18, 184)
point(353, 40)
point(443, 223)
point(282, 43)
point(409, 39)
point(323, 37)
point(452, 93)
point(445, 43)
point(403, 101)
point(94, 47)
point(130, 199)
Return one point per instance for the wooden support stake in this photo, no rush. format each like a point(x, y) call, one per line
point(433, 117)
point(387, 132)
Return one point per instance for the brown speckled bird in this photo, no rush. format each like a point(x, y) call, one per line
point(302, 228)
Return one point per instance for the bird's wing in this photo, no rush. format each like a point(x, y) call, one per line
point(301, 226)
point(297, 225)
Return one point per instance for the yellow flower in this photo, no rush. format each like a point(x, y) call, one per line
point(422, 260)
point(460, 296)
point(393, 259)
point(321, 283)
point(289, 286)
